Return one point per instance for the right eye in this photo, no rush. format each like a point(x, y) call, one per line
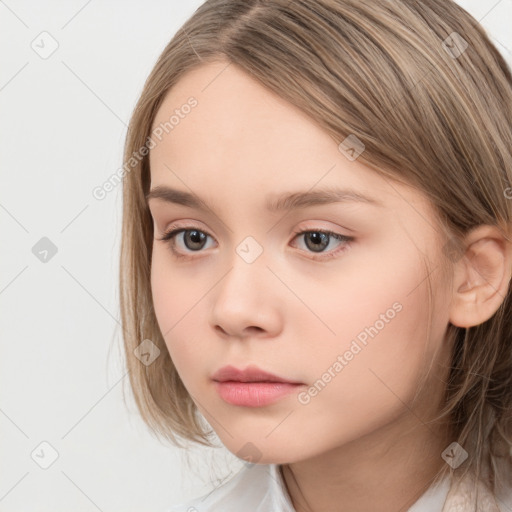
point(193, 239)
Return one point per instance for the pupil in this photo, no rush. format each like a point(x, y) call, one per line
point(196, 237)
point(319, 241)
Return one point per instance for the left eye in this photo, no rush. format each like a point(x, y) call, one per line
point(316, 240)
point(319, 240)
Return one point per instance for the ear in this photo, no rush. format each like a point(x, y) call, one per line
point(482, 276)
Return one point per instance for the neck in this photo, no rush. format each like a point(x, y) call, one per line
point(385, 471)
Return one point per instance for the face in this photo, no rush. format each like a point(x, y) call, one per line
point(332, 296)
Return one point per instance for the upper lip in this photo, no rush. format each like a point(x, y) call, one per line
point(250, 374)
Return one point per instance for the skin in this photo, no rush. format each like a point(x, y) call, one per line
point(361, 443)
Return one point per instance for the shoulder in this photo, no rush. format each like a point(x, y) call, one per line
point(247, 489)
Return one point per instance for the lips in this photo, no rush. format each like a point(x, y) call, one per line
point(250, 374)
point(252, 387)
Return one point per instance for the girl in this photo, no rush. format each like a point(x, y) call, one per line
point(316, 254)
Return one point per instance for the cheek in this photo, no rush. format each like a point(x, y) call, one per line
point(177, 302)
point(164, 292)
point(377, 314)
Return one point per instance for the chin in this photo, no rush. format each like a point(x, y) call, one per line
point(262, 451)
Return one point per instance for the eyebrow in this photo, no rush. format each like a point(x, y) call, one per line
point(283, 202)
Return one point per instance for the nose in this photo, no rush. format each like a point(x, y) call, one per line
point(246, 301)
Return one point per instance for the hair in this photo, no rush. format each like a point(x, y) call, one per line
point(431, 113)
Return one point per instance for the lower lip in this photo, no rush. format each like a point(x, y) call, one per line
point(254, 394)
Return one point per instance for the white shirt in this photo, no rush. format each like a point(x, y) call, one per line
point(260, 488)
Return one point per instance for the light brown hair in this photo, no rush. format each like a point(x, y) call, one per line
point(431, 112)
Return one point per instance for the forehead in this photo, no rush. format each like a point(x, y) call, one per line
point(240, 139)
point(239, 121)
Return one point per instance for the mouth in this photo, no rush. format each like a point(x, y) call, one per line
point(252, 386)
point(254, 394)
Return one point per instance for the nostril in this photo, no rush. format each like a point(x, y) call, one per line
point(255, 327)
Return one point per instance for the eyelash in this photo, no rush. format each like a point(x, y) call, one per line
point(170, 235)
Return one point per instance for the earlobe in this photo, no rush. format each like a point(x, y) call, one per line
point(482, 277)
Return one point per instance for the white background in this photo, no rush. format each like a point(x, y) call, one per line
point(63, 122)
